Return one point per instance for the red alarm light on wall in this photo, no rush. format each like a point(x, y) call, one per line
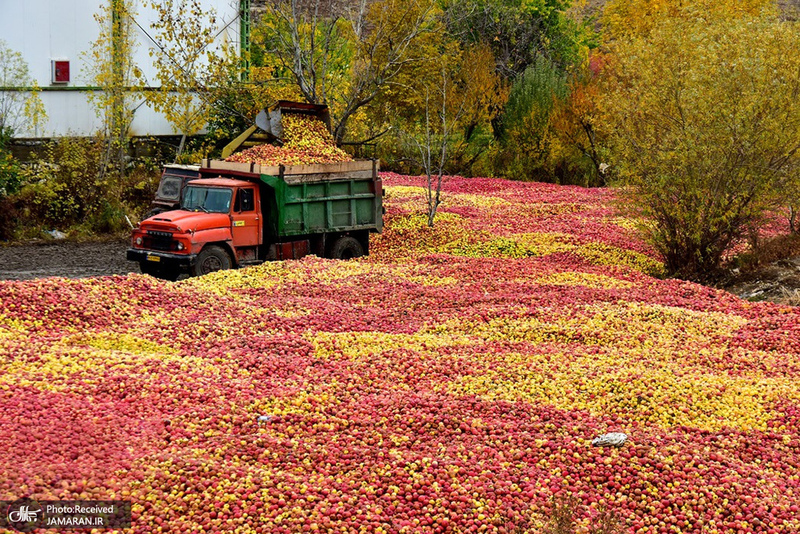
point(60, 71)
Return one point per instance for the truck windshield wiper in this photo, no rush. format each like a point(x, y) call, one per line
point(200, 208)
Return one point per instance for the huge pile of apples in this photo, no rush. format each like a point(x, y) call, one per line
point(306, 140)
point(452, 381)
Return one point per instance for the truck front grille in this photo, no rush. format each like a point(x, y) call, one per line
point(159, 241)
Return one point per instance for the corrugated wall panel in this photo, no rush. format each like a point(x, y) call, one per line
point(44, 30)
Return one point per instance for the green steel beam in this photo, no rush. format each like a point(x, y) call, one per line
point(244, 37)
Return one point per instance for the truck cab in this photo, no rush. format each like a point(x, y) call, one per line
point(218, 226)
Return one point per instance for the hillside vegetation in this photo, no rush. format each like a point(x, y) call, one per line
point(453, 381)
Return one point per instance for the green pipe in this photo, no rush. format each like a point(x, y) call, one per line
point(244, 37)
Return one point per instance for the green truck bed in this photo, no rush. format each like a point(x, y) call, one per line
point(313, 199)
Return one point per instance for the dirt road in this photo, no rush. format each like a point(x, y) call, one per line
point(62, 258)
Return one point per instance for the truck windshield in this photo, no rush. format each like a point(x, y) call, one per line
point(210, 199)
point(170, 188)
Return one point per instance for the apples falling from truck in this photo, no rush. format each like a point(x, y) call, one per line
point(262, 204)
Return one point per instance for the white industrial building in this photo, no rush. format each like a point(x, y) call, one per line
point(55, 37)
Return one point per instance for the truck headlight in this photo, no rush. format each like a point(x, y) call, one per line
point(139, 241)
point(180, 246)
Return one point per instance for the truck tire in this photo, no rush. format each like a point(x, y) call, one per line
point(147, 268)
point(211, 259)
point(171, 274)
point(347, 248)
point(156, 271)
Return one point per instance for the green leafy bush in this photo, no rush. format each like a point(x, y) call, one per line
point(526, 132)
point(66, 190)
point(9, 169)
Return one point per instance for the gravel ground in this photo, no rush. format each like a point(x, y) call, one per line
point(778, 282)
point(64, 258)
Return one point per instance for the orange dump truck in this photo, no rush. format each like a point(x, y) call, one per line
point(240, 214)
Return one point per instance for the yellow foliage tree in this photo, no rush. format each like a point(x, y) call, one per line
point(703, 116)
point(578, 143)
point(20, 109)
point(347, 56)
point(624, 19)
point(190, 64)
point(454, 94)
point(110, 66)
point(482, 89)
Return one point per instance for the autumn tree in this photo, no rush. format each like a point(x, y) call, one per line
point(110, 66)
point(460, 92)
point(346, 55)
point(313, 42)
point(482, 92)
point(20, 107)
point(527, 134)
point(536, 45)
point(519, 31)
point(579, 142)
point(191, 66)
point(703, 114)
point(625, 19)
point(472, 83)
point(20, 110)
point(431, 139)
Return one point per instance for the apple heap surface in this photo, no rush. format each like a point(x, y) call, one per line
point(451, 382)
point(306, 140)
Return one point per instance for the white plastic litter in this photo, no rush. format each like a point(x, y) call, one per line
point(613, 439)
point(55, 234)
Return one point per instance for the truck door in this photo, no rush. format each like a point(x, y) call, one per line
point(246, 218)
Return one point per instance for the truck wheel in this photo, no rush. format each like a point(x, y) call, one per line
point(148, 268)
point(165, 273)
point(170, 274)
point(347, 248)
point(211, 259)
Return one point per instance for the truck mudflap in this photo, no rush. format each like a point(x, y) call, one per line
point(163, 259)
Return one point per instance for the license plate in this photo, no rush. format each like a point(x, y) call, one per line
point(150, 257)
